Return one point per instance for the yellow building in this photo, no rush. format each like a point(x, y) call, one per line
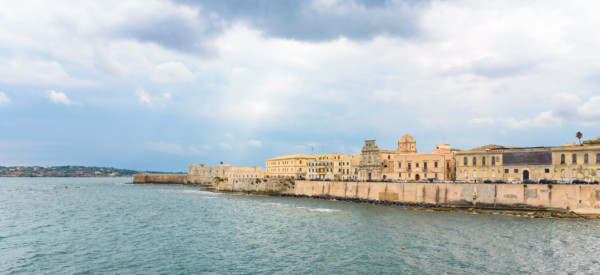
point(293, 166)
point(500, 163)
point(326, 167)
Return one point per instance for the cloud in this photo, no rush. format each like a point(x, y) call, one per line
point(225, 145)
point(145, 98)
point(564, 108)
point(486, 121)
point(60, 98)
point(255, 143)
point(171, 72)
point(319, 20)
point(37, 72)
point(178, 27)
point(4, 99)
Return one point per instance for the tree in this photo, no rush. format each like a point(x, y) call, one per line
point(579, 135)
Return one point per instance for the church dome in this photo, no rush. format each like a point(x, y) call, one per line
point(406, 138)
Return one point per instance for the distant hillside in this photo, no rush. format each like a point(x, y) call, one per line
point(67, 171)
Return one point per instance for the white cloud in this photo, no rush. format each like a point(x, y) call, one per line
point(255, 143)
point(4, 99)
point(60, 98)
point(564, 108)
point(143, 97)
point(487, 121)
point(147, 99)
point(23, 71)
point(171, 72)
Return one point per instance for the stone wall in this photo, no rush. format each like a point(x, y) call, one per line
point(160, 178)
point(583, 199)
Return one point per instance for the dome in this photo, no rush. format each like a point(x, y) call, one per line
point(406, 138)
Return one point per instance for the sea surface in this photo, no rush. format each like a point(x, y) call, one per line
point(105, 226)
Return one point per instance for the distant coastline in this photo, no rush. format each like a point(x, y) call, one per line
point(68, 171)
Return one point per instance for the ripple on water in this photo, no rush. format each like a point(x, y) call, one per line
point(109, 227)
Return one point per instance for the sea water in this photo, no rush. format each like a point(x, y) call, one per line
point(103, 225)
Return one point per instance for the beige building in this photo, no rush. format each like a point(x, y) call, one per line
point(495, 162)
point(406, 163)
point(206, 174)
point(292, 166)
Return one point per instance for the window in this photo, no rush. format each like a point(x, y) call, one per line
point(399, 164)
point(493, 160)
point(424, 165)
point(474, 161)
point(399, 175)
point(598, 158)
point(483, 161)
point(388, 156)
point(547, 170)
point(562, 159)
point(409, 164)
point(417, 165)
point(585, 158)
point(435, 165)
point(574, 158)
point(506, 171)
point(465, 160)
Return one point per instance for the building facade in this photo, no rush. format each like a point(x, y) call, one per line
point(326, 167)
point(290, 166)
point(406, 163)
point(206, 174)
point(494, 162)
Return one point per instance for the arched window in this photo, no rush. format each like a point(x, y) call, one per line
point(598, 158)
point(562, 159)
point(483, 161)
point(493, 160)
point(585, 158)
point(574, 156)
point(474, 161)
point(465, 161)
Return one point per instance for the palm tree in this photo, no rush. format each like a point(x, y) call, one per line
point(579, 135)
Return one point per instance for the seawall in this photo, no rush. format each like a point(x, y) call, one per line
point(160, 179)
point(582, 199)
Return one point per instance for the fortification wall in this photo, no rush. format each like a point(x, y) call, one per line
point(160, 178)
point(583, 199)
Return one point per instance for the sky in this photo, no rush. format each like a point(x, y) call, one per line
point(158, 84)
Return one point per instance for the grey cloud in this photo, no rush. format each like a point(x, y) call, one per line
point(495, 69)
point(303, 20)
point(173, 32)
